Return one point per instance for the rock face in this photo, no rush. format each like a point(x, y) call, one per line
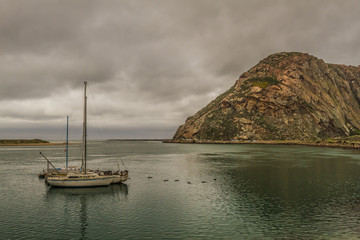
point(287, 96)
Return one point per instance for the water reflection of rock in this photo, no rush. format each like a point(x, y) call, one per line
point(72, 195)
point(290, 193)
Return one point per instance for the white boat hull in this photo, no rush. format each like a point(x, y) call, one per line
point(119, 178)
point(71, 182)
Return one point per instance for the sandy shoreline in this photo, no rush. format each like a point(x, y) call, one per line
point(336, 144)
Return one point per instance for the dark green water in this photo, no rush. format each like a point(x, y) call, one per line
point(260, 192)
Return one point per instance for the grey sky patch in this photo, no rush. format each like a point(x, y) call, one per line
point(149, 64)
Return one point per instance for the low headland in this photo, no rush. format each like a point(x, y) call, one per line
point(26, 142)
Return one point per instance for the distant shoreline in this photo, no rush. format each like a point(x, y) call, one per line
point(331, 144)
point(38, 142)
point(30, 144)
point(138, 140)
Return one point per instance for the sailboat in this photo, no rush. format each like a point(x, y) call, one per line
point(120, 176)
point(59, 171)
point(82, 178)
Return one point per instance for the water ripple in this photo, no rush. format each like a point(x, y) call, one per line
point(234, 192)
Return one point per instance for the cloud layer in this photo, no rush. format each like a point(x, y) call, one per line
point(149, 64)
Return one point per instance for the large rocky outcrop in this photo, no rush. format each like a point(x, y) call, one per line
point(286, 96)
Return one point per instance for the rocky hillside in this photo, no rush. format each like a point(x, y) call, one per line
point(287, 96)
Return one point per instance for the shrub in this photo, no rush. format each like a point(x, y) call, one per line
point(263, 82)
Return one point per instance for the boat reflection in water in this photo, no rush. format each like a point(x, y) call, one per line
point(68, 199)
point(114, 189)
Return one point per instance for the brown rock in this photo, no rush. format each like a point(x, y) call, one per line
point(290, 96)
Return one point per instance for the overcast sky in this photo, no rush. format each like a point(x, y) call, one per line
point(150, 64)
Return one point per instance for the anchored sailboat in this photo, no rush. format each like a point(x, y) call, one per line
point(82, 178)
point(59, 171)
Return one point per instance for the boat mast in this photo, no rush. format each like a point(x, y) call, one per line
point(67, 141)
point(83, 162)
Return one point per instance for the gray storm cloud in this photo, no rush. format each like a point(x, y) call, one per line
point(149, 64)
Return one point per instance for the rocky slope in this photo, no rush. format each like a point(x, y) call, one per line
point(287, 96)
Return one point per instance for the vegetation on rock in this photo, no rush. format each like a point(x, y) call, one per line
point(263, 82)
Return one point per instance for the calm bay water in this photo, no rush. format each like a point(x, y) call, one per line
point(260, 192)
